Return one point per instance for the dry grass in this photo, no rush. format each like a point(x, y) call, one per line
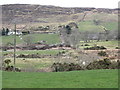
point(35, 63)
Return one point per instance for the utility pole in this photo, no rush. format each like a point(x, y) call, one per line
point(14, 48)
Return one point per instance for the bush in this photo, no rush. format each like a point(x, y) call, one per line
point(118, 52)
point(7, 62)
point(103, 64)
point(102, 53)
point(117, 48)
point(82, 45)
point(95, 48)
point(86, 45)
point(115, 65)
point(11, 68)
point(21, 56)
point(58, 67)
point(4, 48)
point(28, 56)
point(7, 66)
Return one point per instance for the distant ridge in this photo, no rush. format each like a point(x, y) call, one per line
point(32, 13)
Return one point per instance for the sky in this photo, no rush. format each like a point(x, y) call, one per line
point(67, 3)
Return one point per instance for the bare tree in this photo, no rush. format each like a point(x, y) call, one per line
point(70, 34)
point(75, 37)
point(28, 39)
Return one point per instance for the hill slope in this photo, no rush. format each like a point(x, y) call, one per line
point(36, 15)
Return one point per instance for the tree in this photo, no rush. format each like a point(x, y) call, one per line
point(68, 29)
point(106, 33)
point(7, 31)
point(75, 37)
point(69, 34)
point(3, 32)
point(64, 35)
point(85, 36)
point(28, 39)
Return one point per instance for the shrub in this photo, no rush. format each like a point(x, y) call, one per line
point(117, 48)
point(11, 68)
point(4, 48)
point(21, 56)
point(58, 67)
point(7, 62)
point(102, 53)
point(103, 64)
point(95, 48)
point(7, 66)
point(82, 45)
point(28, 56)
point(86, 45)
point(115, 65)
point(118, 52)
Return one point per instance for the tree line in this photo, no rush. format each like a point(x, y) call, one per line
point(70, 35)
point(5, 31)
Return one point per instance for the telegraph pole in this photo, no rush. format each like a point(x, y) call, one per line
point(14, 48)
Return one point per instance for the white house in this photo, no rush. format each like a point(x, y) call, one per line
point(13, 32)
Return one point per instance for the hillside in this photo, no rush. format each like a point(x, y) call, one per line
point(35, 15)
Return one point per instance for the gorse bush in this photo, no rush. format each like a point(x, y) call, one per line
point(95, 48)
point(101, 64)
point(11, 68)
point(7, 62)
point(117, 48)
point(102, 53)
point(86, 45)
point(58, 67)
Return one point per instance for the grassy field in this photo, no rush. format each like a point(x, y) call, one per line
point(0, 79)
point(111, 25)
point(42, 52)
point(90, 26)
point(54, 38)
point(74, 79)
point(33, 64)
point(36, 63)
point(109, 44)
point(50, 38)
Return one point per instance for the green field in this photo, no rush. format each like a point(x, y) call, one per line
point(90, 26)
point(54, 38)
point(0, 79)
point(50, 38)
point(109, 44)
point(42, 52)
point(73, 79)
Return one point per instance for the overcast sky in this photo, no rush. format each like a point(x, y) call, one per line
point(67, 3)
